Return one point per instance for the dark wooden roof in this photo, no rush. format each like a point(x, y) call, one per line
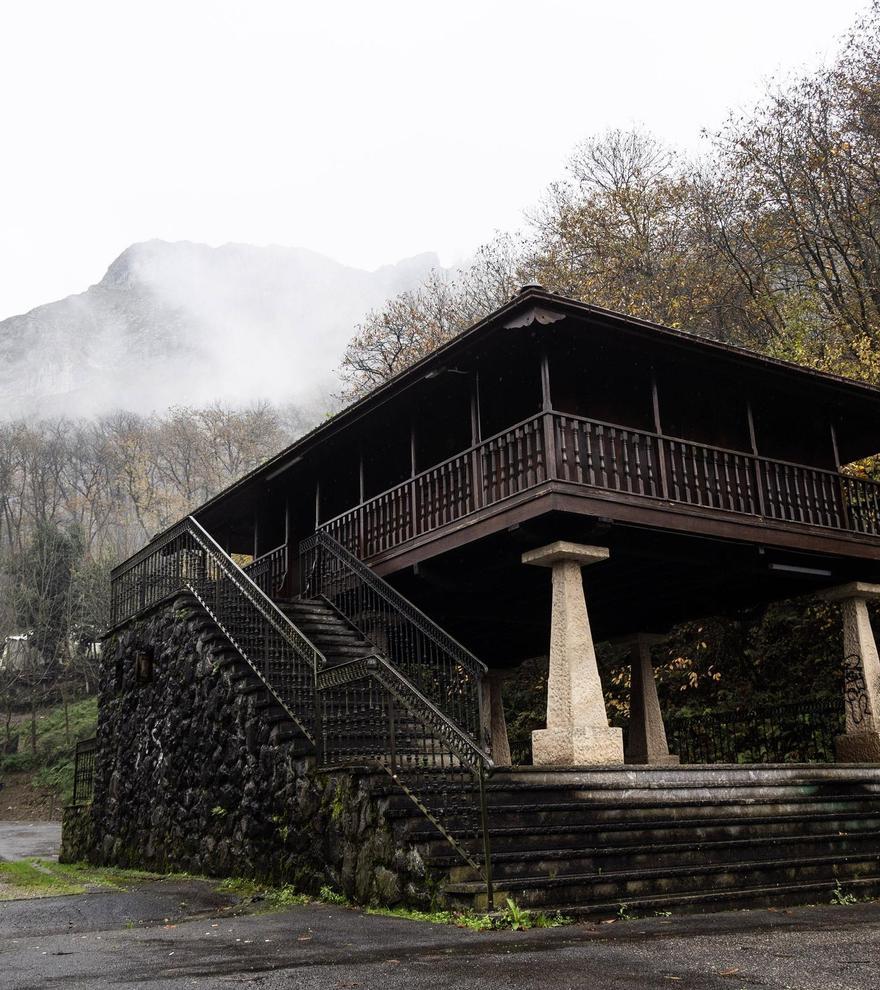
point(534, 304)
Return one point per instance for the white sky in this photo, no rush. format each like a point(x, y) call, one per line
point(368, 131)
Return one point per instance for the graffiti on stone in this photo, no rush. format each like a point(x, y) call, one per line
point(856, 690)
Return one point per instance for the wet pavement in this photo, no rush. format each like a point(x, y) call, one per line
point(151, 940)
point(19, 840)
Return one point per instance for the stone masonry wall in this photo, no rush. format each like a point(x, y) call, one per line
point(190, 776)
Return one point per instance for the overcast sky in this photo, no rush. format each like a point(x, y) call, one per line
point(368, 131)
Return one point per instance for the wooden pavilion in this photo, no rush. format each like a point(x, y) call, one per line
point(394, 546)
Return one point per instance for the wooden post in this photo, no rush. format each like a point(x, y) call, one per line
point(841, 489)
point(476, 437)
point(550, 465)
point(414, 507)
point(362, 488)
point(834, 447)
point(658, 429)
point(256, 533)
point(317, 503)
point(759, 468)
point(287, 583)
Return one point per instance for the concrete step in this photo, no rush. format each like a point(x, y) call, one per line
point(588, 889)
point(574, 817)
point(746, 896)
point(600, 861)
point(678, 834)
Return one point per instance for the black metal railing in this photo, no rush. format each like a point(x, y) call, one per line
point(787, 733)
point(412, 710)
point(84, 771)
point(372, 714)
point(441, 668)
point(187, 558)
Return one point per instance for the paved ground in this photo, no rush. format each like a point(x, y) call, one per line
point(151, 940)
point(19, 840)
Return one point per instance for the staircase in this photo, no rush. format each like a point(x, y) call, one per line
point(247, 683)
point(585, 842)
point(643, 840)
point(337, 639)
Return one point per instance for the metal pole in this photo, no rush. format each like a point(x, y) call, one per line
point(487, 850)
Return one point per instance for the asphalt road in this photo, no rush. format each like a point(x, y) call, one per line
point(19, 840)
point(183, 935)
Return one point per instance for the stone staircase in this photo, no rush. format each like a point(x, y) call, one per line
point(246, 683)
point(643, 840)
point(331, 632)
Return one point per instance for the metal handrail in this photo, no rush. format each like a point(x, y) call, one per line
point(403, 605)
point(373, 714)
point(428, 753)
point(436, 664)
point(382, 670)
point(264, 566)
point(188, 558)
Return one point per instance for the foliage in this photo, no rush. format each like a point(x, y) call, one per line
point(770, 239)
point(841, 897)
point(329, 896)
point(519, 919)
point(47, 878)
point(57, 733)
point(749, 658)
point(510, 917)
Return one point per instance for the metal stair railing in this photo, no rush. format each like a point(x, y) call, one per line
point(412, 710)
point(415, 707)
point(443, 670)
point(187, 558)
point(372, 714)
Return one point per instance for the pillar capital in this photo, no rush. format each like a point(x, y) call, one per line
point(854, 589)
point(561, 551)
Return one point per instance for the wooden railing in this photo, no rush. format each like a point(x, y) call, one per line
point(495, 469)
point(614, 458)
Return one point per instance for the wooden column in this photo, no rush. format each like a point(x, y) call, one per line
point(658, 429)
point(317, 503)
point(841, 490)
point(256, 533)
point(414, 502)
point(476, 437)
point(759, 467)
point(834, 447)
point(362, 488)
point(287, 583)
point(551, 468)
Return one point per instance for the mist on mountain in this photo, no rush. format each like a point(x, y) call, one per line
point(188, 324)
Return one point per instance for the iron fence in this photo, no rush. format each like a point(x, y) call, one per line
point(84, 771)
point(786, 733)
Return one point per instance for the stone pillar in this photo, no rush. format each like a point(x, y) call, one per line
point(577, 732)
point(495, 724)
point(861, 742)
point(647, 734)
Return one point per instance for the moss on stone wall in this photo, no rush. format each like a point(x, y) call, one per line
point(190, 775)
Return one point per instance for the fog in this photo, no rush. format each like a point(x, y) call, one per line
point(187, 324)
